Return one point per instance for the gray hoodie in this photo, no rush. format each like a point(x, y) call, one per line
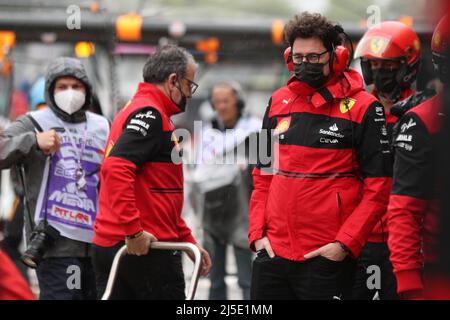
point(18, 147)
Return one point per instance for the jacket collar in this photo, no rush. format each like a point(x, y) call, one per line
point(146, 90)
point(340, 86)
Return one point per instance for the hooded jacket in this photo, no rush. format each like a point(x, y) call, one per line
point(18, 146)
point(329, 174)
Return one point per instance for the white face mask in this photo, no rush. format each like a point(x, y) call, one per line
point(70, 101)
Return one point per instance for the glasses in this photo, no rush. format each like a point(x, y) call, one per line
point(192, 85)
point(311, 57)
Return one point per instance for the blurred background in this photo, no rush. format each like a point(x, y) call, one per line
point(231, 40)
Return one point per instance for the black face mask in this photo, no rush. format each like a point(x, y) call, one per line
point(310, 73)
point(183, 101)
point(385, 81)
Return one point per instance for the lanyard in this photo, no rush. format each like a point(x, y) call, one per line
point(74, 145)
point(80, 172)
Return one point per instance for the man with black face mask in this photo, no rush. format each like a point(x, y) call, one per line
point(329, 178)
point(142, 186)
point(390, 58)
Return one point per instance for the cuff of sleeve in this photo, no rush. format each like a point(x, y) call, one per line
point(255, 235)
point(189, 238)
point(132, 227)
point(353, 245)
point(409, 280)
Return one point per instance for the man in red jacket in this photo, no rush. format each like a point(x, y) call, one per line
point(318, 200)
point(141, 194)
point(413, 209)
point(390, 59)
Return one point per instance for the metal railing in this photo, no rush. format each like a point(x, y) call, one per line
point(181, 246)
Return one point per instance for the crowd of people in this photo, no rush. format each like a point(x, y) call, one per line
point(349, 183)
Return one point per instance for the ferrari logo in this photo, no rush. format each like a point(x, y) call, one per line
point(346, 104)
point(376, 45)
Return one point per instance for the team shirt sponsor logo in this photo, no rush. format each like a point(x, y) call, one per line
point(329, 140)
point(283, 125)
point(379, 111)
point(409, 125)
point(148, 114)
point(334, 127)
point(332, 131)
point(404, 137)
point(139, 125)
point(404, 145)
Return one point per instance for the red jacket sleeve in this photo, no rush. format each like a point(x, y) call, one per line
point(405, 216)
point(257, 223)
point(185, 232)
point(375, 163)
point(412, 191)
point(357, 228)
point(262, 178)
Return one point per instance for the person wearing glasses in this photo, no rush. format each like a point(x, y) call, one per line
point(141, 194)
point(315, 203)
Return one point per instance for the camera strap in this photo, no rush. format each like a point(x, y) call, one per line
point(50, 160)
point(23, 180)
point(21, 172)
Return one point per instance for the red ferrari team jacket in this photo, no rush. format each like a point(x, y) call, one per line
point(141, 187)
point(413, 208)
point(329, 174)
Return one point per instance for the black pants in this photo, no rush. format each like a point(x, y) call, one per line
point(156, 276)
point(374, 259)
point(66, 279)
point(281, 279)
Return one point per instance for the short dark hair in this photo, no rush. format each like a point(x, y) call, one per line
point(309, 25)
point(165, 61)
